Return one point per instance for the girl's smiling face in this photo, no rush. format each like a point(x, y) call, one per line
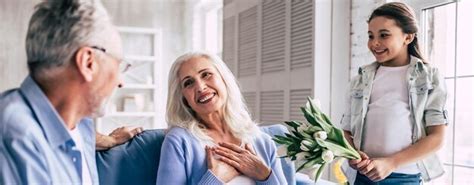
point(387, 42)
point(202, 86)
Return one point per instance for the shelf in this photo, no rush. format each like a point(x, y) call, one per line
point(138, 58)
point(138, 86)
point(131, 114)
point(140, 83)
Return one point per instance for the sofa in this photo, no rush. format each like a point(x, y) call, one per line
point(137, 161)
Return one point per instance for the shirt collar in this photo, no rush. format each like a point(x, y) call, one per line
point(48, 118)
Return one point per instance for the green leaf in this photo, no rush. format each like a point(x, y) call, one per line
point(341, 151)
point(293, 124)
point(278, 141)
point(282, 140)
point(294, 149)
point(316, 121)
point(319, 116)
point(326, 127)
point(310, 163)
point(313, 129)
point(321, 142)
point(338, 134)
point(292, 137)
point(297, 134)
point(309, 117)
point(306, 135)
point(316, 154)
point(326, 118)
point(319, 172)
point(310, 105)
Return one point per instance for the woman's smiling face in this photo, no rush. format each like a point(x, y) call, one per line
point(202, 86)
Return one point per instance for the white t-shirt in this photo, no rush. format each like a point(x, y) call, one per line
point(241, 180)
point(86, 175)
point(389, 124)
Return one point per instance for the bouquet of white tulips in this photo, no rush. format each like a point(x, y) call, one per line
point(316, 143)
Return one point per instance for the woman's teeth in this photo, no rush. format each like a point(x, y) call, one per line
point(207, 97)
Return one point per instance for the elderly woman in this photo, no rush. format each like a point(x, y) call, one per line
point(212, 139)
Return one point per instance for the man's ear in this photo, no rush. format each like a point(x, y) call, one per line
point(409, 38)
point(85, 63)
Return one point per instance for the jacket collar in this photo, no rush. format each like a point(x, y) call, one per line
point(414, 62)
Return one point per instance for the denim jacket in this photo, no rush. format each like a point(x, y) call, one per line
point(427, 99)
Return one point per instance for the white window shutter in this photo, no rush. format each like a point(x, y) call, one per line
point(247, 42)
point(273, 36)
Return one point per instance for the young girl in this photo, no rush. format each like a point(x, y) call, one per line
point(395, 115)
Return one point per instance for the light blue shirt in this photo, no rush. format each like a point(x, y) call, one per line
point(183, 160)
point(36, 147)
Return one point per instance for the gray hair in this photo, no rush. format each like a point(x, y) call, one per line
point(58, 28)
point(235, 112)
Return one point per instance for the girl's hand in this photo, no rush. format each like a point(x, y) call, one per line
point(245, 160)
point(359, 164)
point(379, 168)
point(221, 170)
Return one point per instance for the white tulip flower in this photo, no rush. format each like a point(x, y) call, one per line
point(302, 128)
point(305, 145)
point(328, 156)
point(282, 151)
point(321, 135)
point(302, 155)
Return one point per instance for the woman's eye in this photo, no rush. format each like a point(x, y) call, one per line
point(206, 75)
point(187, 83)
point(371, 37)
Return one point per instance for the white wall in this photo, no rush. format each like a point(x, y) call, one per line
point(360, 12)
point(14, 17)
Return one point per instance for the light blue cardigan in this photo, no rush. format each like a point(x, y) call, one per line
point(183, 160)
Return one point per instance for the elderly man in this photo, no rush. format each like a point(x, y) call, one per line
point(74, 59)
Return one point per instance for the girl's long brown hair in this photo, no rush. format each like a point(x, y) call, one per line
point(405, 18)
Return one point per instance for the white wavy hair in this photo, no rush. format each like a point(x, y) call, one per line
point(235, 111)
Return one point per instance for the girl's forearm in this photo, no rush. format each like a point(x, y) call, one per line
point(422, 148)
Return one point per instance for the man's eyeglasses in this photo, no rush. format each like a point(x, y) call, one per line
point(123, 66)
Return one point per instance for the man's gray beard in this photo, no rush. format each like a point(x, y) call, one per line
point(102, 109)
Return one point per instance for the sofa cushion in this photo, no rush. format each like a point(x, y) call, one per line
point(137, 161)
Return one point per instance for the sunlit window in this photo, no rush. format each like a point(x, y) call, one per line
point(449, 46)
